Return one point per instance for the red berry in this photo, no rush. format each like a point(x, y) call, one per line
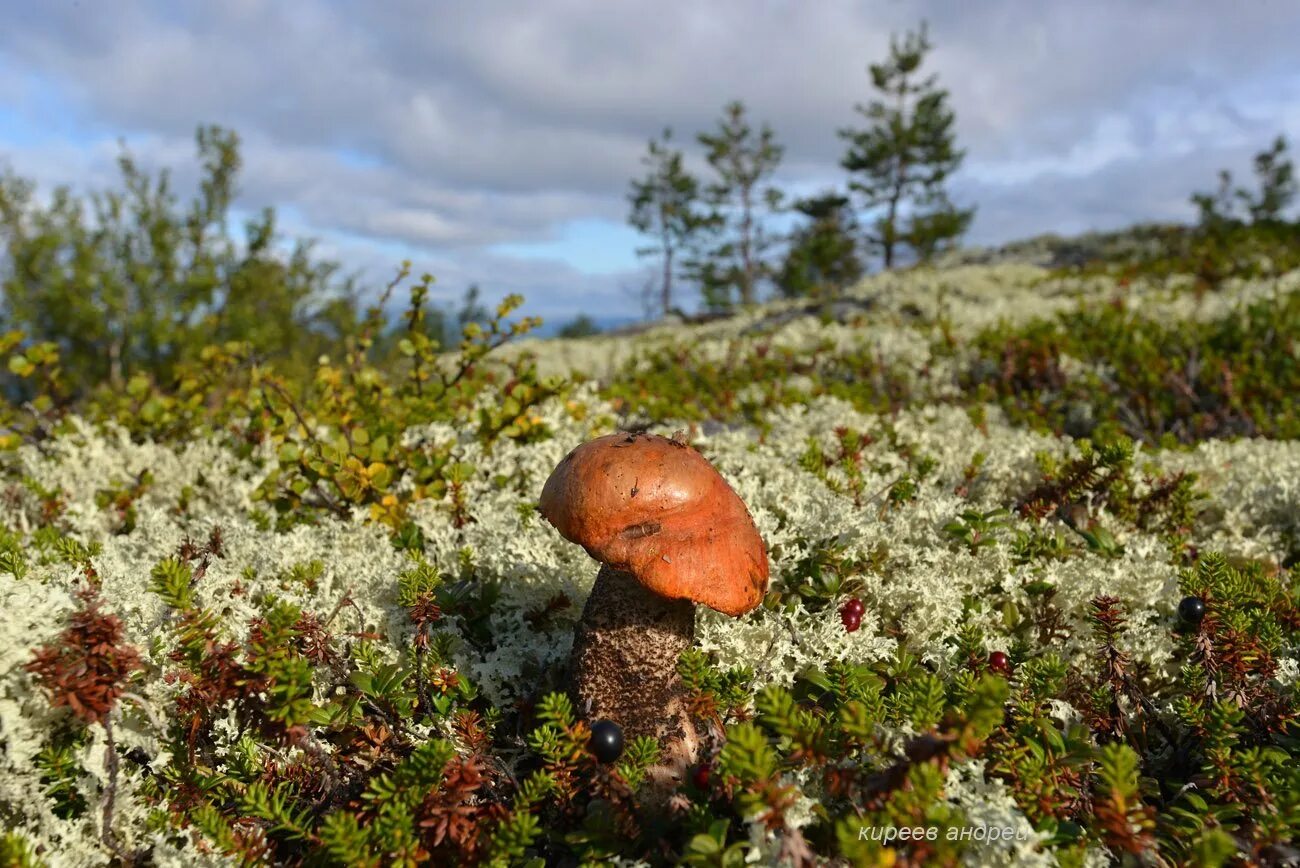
point(999, 663)
point(851, 614)
point(701, 776)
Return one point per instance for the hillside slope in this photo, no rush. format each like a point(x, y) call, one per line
point(1021, 476)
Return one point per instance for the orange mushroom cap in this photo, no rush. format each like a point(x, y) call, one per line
point(659, 510)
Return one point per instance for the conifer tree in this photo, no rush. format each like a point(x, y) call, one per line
point(823, 255)
point(1277, 190)
point(744, 159)
point(1215, 209)
point(665, 205)
point(900, 162)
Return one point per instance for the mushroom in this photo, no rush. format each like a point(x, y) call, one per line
point(669, 533)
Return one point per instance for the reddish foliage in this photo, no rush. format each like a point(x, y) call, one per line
point(457, 812)
point(423, 613)
point(1126, 826)
point(314, 641)
point(87, 668)
point(1028, 367)
point(444, 680)
point(468, 726)
point(1078, 476)
point(425, 610)
point(212, 680)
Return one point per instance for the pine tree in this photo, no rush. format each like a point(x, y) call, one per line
point(665, 205)
point(905, 155)
point(1216, 208)
point(743, 158)
point(1277, 185)
point(1277, 190)
point(580, 326)
point(823, 256)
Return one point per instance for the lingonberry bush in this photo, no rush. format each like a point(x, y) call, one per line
point(1033, 597)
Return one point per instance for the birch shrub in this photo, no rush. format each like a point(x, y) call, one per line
point(253, 620)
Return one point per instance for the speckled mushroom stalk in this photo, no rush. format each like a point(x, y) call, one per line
point(624, 663)
point(669, 533)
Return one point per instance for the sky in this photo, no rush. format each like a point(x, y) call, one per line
point(494, 142)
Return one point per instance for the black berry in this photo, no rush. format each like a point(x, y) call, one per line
point(1191, 610)
point(999, 663)
point(606, 740)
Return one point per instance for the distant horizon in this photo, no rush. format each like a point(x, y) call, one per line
point(551, 325)
point(494, 146)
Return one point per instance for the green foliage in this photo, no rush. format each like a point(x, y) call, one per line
point(292, 739)
point(16, 851)
point(581, 326)
point(905, 155)
point(711, 848)
point(681, 381)
point(1240, 234)
point(975, 529)
point(131, 281)
point(172, 580)
point(357, 460)
point(334, 404)
point(1156, 381)
point(714, 692)
point(60, 769)
point(826, 574)
point(1123, 782)
point(1127, 821)
point(1277, 190)
point(12, 557)
point(822, 259)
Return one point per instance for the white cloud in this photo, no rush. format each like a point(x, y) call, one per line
point(448, 128)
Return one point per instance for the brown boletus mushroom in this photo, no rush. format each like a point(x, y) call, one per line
point(669, 533)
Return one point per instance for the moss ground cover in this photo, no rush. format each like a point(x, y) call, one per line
point(254, 619)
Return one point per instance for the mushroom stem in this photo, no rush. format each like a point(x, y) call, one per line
point(624, 666)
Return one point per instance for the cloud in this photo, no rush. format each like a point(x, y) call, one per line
point(452, 130)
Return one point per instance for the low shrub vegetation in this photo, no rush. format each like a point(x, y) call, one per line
point(1033, 540)
point(259, 619)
